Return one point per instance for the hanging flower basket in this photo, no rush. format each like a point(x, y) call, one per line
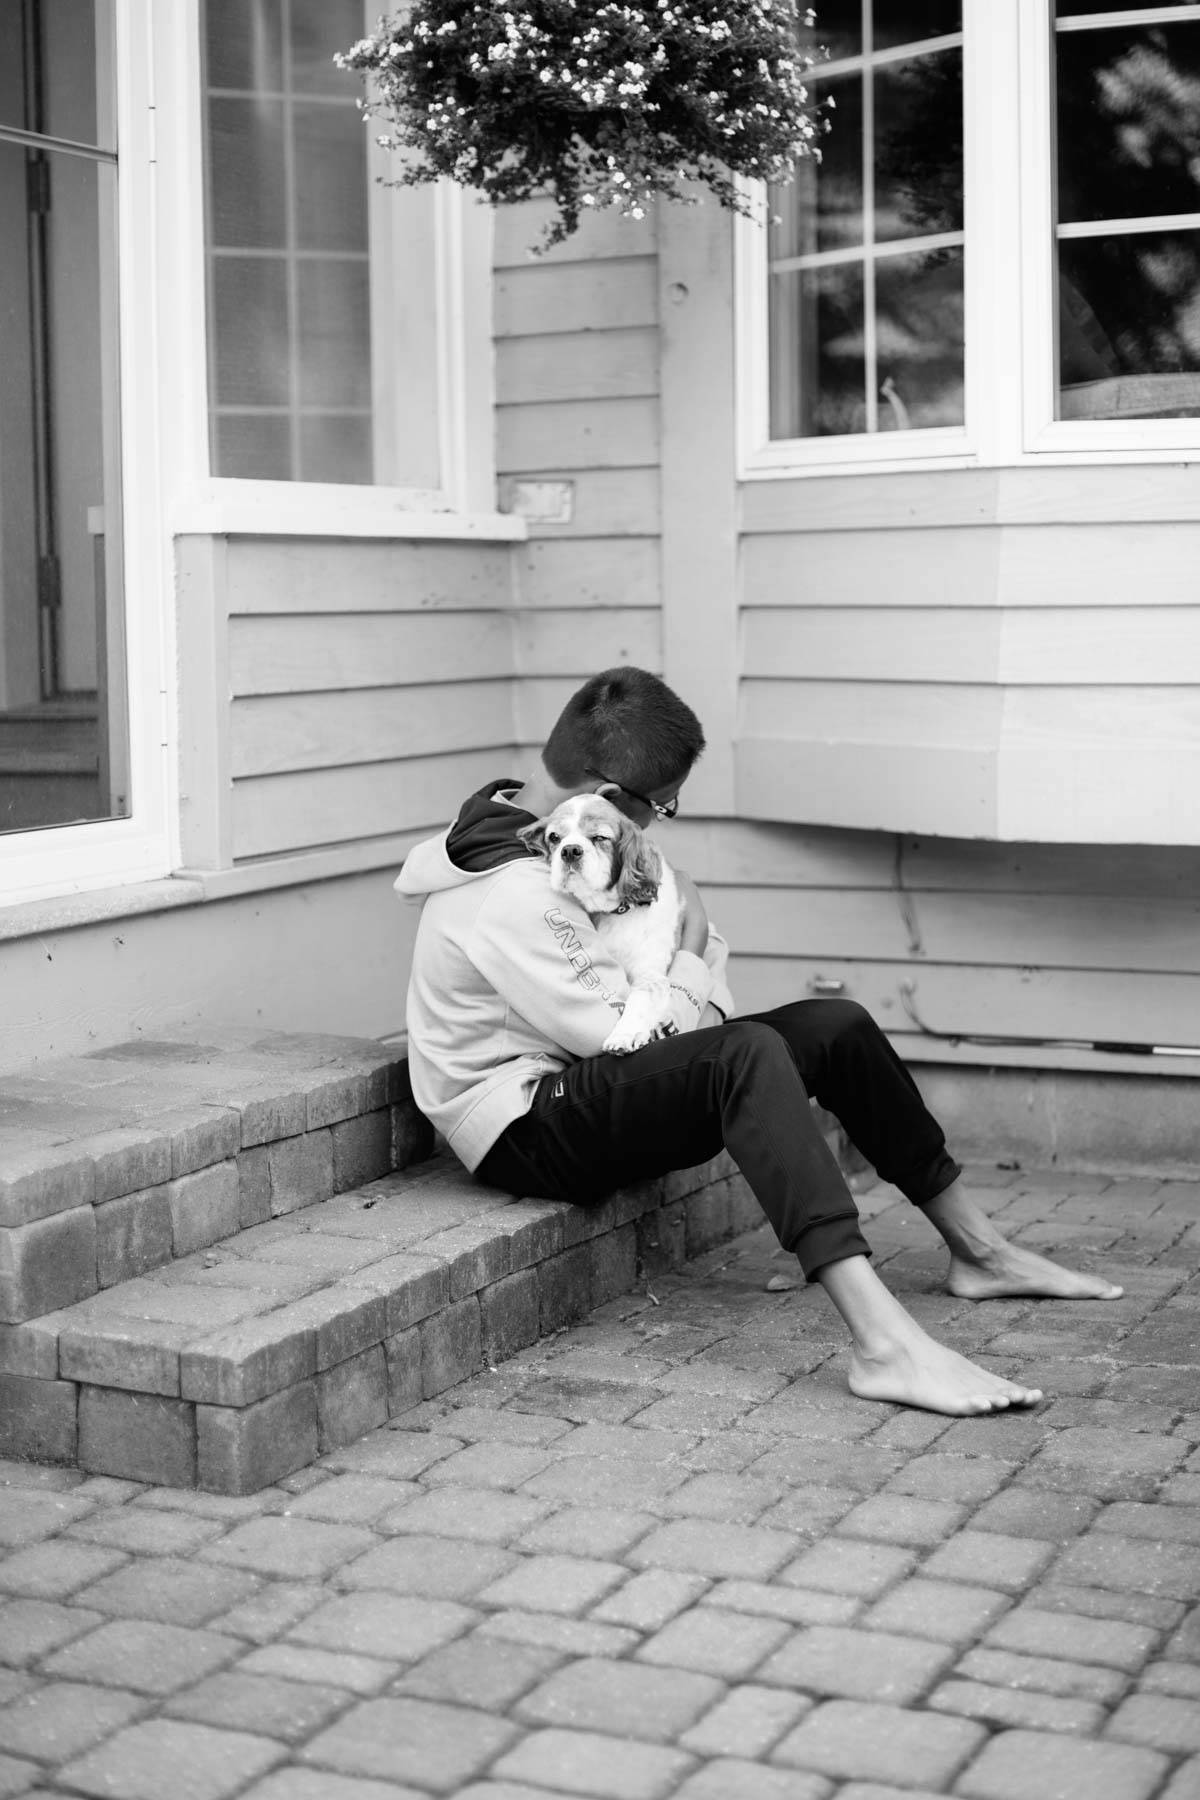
point(600, 105)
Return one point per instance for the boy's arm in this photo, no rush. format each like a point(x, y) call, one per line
point(544, 957)
point(716, 958)
point(702, 937)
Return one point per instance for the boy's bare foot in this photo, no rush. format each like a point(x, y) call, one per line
point(1008, 1271)
point(893, 1358)
point(918, 1371)
point(985, 1266)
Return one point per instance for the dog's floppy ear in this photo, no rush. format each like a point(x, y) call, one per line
point(637, 866)
point(534, 837)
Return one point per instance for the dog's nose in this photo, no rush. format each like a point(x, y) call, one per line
point(571, 853)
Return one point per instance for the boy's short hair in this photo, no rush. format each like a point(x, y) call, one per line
point(629, 725)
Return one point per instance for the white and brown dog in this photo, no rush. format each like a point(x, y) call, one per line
point(601, 860)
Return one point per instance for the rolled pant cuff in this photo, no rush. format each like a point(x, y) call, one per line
point(933, 1180)
point(829, 1240)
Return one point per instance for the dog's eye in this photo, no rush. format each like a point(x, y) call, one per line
point(552, 838)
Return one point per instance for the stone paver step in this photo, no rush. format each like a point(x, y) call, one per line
point(116, 1162)
point(234, 1365)
point(663, 1554)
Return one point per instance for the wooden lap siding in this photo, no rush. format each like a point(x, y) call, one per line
point(1089, 943)
point(577, 378)
point(932, 652)
point(941, 655)
point(371, 686)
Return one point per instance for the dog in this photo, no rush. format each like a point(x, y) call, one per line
point(600, 859)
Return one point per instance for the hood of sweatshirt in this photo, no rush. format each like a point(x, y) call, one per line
point(482, 838)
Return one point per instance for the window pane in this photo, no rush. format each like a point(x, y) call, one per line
point(63, 739)
point(330, 178)
point(919, 147)
point(915, 20)
point(333, 316)
point(247, 184)
point(246, 178)
point(335, 449)
point(863, 340)
point(1128, 156)
point(251, 364)
point(838, 25)
point(919, 340)
point(817, 338)
point(838, 29)
point(1129, 343)
point(15, 105)
point(1128, 122)
point(254, 447)
point(244, 45)
point(289, 317)
point(63, 103)
point(827, 203)
point(318, 30)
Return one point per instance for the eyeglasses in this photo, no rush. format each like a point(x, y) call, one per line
point(662, 809)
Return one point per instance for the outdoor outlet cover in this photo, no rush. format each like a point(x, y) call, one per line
point(549, 502)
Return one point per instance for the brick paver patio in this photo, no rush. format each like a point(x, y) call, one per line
point(664, 1553)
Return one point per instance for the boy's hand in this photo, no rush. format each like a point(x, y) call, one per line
point(694, 930)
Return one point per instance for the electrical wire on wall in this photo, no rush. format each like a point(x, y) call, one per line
point(906, 901)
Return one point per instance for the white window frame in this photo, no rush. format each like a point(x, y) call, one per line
point(439, 228)
point(1009, 292)
point(74, 858)
point(1102, 440)
point(758, 452)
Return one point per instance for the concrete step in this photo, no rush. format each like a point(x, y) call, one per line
point(234, 1365)
point(114, 1163)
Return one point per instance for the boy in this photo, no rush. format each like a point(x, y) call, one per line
point(512, 995)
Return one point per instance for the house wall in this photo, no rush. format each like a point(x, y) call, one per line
point(935, 702)
point(577, 391)
point(328, 956)
point(1007, 653)
point(338, 697)
point(337, 690)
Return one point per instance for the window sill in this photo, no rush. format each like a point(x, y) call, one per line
point(1101, 491)
point(194, 887)
point(326, 512)
point(358, 857)
point(64, 912)
point(778, 464)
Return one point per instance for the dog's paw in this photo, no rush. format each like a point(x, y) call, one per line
point(620, 1041)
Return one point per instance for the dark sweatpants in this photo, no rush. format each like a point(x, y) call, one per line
point(611, 1120)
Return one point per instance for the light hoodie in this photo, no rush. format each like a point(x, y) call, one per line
point(510, 980)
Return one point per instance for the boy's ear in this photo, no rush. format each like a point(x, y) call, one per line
point(534, 837)
point(638, 866)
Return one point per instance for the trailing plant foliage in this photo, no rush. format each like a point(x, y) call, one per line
point(600, 105)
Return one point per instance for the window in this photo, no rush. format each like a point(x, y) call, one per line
point(999, 254)
point(1127, 226)
point(866, 261)
point(288, 243)
point(63, 740)
point(337, 334)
